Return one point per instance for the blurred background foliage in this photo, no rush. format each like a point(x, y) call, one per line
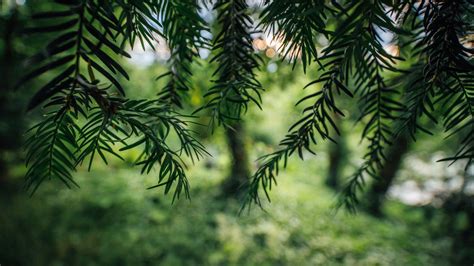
point(423, 216)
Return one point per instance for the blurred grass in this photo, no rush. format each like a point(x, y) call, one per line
point(113, 220)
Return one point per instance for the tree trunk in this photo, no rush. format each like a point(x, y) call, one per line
point(378, 190)
point(336, 158)
point(457, 207)
point(235, 183)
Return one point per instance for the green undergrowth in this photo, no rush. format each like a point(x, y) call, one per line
point(114, 220)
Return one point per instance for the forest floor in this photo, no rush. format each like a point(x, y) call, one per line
point(114, 220)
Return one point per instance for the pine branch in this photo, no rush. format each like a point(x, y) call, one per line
point(317, 122)
point(446, 76)
point(89, 38)
point(297, 25)
point(137, 19)
point(49, 154)
point(142, 117)
point(235, 84)
point(183, 27)
point(377, 98)
point(354, 46)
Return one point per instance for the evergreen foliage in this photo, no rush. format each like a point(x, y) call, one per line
point(82, 49)
point(88, 112)
point(235, 83)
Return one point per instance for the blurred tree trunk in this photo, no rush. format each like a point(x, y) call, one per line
point(235, 183)
point(337, 156)
point(378, 190)
point(458, 221)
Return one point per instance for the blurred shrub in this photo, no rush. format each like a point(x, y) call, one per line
point(113, 220)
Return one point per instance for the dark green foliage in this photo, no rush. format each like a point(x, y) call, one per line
point(111, 221)
point(51, 150)
point(433, 78)
point(183, 28)
point(88, 40)
point(235, 84)
point(355, 62)
point(298, 25)
point(137, 19)
point(448, 70)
